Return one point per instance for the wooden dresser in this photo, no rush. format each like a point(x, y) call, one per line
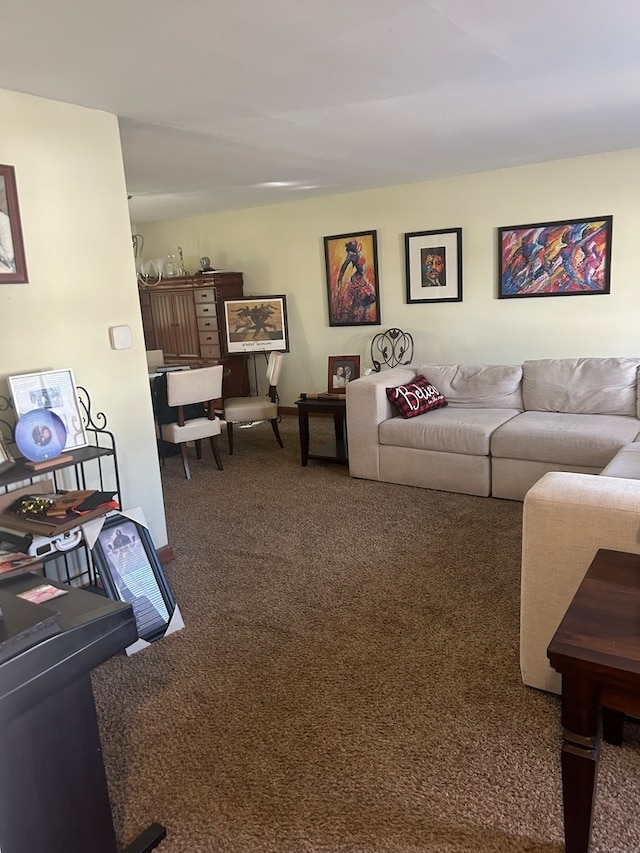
point(184, 317)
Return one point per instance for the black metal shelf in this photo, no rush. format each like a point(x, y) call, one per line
point(21, 471)
point(93, 466)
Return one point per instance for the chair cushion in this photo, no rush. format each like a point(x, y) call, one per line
point(415, 398)
point(193, 430)
point(238, 409)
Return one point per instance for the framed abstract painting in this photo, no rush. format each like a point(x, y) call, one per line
point(353, 290)
point(564, 258)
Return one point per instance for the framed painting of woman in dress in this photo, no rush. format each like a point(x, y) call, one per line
point(353, 291)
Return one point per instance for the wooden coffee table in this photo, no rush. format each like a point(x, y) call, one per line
point(597, 651)
point(333, 451)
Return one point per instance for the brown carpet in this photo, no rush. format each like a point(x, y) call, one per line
point(347, 680)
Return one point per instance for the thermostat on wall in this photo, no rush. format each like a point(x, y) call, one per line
point(120, 337)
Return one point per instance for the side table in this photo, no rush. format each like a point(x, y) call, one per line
point(597, 651)
point(333, 451)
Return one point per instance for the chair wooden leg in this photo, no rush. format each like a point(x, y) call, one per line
point(198, 444)
point(185, 460)
point(213, 440)
point(274, 424)
point(230, 437)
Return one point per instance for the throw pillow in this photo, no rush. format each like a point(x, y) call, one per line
point(415, 397)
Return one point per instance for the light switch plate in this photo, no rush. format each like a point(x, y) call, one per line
point(120, 337)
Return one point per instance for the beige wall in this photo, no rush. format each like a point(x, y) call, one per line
point(76, 229)
point(280, 250)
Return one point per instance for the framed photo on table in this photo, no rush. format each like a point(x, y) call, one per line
point(55, 391)
point(342, 369)
point(434, 265)
point(568, 257)
point(13, 266)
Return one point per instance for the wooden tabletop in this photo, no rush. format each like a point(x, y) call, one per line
point(601, 628)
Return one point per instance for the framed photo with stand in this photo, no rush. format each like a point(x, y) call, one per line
point(128, 565)
point(55, 391)
point(255, 324)
point(434, 265)
point(13, 265)
point(342, 370)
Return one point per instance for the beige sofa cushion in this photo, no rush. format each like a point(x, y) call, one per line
point(449, 430)
point(488, 386)
point(626, 463)
point(583, 440)
point(598, 386)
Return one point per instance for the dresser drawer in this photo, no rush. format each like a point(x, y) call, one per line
point(210, 351)
point(207, 324)
point(204, 294)
point(209, 339)
point(206, 309)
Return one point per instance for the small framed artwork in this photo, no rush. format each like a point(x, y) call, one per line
point(13, 266)
point(128, 565)
point(353, 290)
point(55, 391)
point(434, 265)
point(342, 370)
point(254, 324)
point(6, 459)
point(565, 258)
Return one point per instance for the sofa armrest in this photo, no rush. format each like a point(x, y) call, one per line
point(367, 407)
point(566, 519)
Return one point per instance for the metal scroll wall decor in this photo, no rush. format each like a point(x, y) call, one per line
point(391, 348)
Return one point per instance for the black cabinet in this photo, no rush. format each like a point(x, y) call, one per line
point(53, 788)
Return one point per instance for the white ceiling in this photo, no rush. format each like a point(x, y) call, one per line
point(217, 99)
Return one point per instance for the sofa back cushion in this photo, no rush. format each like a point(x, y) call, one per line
point(597, 386)
point(486, 386)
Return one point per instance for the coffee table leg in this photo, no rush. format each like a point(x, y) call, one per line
point(338, 425)
point(580, 755)
point(303, 426)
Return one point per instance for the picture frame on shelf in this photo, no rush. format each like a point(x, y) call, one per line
point(434, 265)
point(567, 257)
point(256, 324)
point(353, 287)
point(13, 264)
point(55, 391)
point(342, 369)
point(6, 458)
point(130, 570)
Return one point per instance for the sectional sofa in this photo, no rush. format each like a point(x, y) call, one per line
point(540, 432)
point(503, 428)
